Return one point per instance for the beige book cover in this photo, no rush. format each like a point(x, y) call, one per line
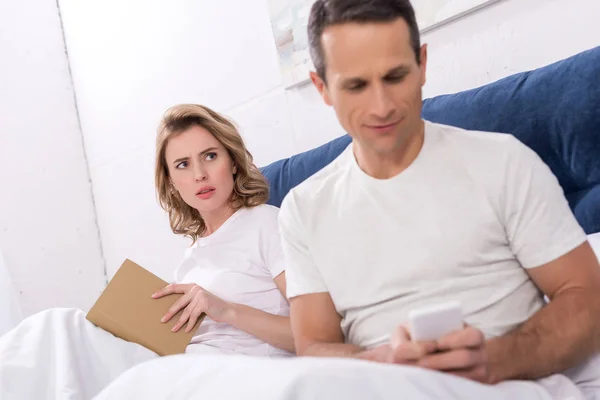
point(126, 309)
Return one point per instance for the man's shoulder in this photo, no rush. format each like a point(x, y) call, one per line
point(482, 149)
point(321, 181)
point(492, 141)
point(320, 186)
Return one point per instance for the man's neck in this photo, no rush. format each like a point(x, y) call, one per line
point(216, 219)
point(386, 165)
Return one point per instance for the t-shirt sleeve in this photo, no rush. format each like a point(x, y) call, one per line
point(272, 251)
point(302, 274)
point(539, 223)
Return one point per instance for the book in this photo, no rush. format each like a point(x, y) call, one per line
point(126, 309)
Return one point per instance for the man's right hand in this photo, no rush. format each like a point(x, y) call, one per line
point(400, 350)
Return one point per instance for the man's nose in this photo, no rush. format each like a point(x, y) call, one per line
point(382, 105)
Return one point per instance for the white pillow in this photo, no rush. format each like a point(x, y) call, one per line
point(594, 240)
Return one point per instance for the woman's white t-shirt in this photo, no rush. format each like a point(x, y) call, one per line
point(238, 263)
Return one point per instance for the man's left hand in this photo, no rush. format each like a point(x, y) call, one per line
point(461, 353)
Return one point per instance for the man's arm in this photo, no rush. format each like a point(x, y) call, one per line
point(562, 334)
point(316, 327)
point(317, 333)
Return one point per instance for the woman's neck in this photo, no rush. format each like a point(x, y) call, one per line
point(215, 219)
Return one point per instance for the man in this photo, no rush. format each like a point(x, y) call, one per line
point(415, 213)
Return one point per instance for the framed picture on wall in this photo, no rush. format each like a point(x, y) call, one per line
point(434, 13)
point(289, 21)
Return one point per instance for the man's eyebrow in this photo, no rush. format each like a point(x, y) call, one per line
point(352, 81)
point(399, 70)
point(355, 80)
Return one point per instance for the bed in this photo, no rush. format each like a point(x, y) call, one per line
point(555, 110)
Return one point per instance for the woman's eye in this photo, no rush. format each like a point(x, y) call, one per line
point(211, 156)
point(182, 165)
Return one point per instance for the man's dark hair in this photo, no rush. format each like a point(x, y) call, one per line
point(325, 13)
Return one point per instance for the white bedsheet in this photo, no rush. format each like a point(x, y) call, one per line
point(57, 354)
point(249, 378)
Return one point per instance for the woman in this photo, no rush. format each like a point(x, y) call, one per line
point(233, 272)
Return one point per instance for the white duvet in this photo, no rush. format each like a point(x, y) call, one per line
point(57, 354)
point(253, 378)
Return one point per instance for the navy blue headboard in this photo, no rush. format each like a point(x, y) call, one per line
point(555, 110)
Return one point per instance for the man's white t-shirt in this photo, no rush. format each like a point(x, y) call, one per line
point(238, 263)
point(463, 222)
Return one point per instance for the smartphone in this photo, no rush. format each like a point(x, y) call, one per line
point(433, 322)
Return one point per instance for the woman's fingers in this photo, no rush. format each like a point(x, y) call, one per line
point(197, 310)
point(192, 300)
point(190, 314)
point(172, 288)
point(184, 316)
point(178, 305)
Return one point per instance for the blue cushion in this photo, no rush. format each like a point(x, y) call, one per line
point(284, 175)
point(555, 110)
point(587, 210)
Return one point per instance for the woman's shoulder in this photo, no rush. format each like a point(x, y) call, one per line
point(265, 211)
point(264, 216)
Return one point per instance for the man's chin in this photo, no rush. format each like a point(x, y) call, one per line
point(384, 145)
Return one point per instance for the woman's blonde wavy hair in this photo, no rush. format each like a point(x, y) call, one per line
point(250, 188)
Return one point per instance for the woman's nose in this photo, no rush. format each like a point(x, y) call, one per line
point(200, 174)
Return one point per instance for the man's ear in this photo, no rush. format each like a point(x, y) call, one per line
point(321, 87)
point(423, 64)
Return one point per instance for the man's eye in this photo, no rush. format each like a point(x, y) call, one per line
point(395, 78)
point(357, 87)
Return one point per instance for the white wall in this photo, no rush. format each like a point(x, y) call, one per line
point(508, 37)
point(133, 59)
point(48, 233)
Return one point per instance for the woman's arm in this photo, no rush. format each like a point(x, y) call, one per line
point(272, 329)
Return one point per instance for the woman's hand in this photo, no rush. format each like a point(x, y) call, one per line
point(196, 301)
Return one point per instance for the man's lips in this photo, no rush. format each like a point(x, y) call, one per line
point(384, 128)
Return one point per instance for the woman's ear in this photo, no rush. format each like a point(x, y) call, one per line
point(234, 169)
